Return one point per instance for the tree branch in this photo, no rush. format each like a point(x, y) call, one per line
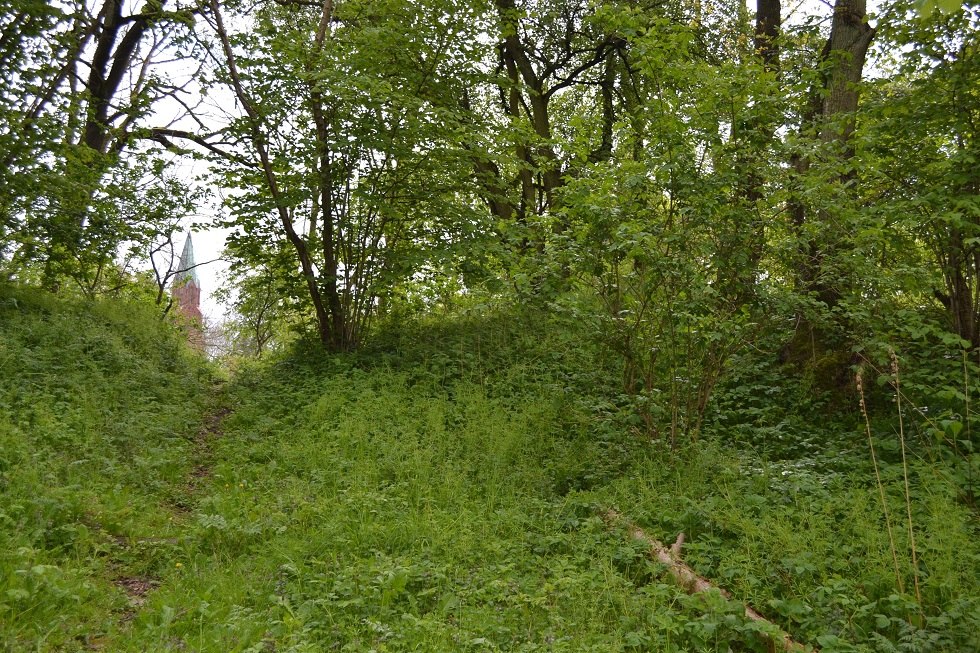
point(163, 135)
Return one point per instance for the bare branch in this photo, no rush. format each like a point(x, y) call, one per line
point(163, 135)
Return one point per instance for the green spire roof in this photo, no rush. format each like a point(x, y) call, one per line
point(186, 272)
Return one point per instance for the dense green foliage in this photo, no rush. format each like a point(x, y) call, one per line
point(685, 176)
point(441, 490)
point(81, 83)
point(496, 266)
point(98, 407)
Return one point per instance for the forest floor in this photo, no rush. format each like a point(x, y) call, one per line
point(444, 491)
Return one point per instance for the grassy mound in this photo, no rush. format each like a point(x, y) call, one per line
point(441, 492)
point(98, 407)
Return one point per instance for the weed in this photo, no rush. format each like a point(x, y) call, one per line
point(436, 492)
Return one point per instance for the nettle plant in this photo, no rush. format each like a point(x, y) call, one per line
point(667, 237)
point(652, 300)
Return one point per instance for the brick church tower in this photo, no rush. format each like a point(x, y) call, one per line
point(186, 291)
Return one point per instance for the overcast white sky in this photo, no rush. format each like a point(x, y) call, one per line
point(208, 244)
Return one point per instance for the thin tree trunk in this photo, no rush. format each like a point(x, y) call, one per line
point(744, 266)
point(328, 241)
point(272, 182)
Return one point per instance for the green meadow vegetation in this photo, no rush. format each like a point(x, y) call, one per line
point(550, 325)
point(441, 490)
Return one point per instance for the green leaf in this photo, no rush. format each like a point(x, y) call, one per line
point(948, 6)
point(954, 427)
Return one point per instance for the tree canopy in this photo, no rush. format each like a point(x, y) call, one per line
point(687, 176)
point(524, 277)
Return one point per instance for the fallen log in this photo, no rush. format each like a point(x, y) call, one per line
point(691, 581)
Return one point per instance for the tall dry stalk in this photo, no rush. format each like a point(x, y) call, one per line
point(905, 473)
point(966, 423)
point(881, 489)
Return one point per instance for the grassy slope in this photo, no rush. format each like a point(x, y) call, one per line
point(439, 493)
point(97, 407)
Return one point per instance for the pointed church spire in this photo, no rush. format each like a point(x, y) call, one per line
point(186, 292)
point(186, 270)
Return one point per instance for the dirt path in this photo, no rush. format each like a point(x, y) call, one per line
point(210, 431)
point(138, 587)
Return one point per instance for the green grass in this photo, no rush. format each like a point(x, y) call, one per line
point(438, 492)
point(98, 404)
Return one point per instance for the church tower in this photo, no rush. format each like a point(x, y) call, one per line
point(186, 291)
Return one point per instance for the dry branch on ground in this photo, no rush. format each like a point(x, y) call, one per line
point(690, 580)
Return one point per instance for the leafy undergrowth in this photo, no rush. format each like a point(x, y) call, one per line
point(440, 492)
point(98, 407)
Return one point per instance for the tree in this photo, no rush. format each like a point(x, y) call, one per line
point(82, 80)
point(260, 317)
point(349, 145)
point(660, 233)
point(829, 116)
point(758, 110)
point(542, 51)
point(921, 153)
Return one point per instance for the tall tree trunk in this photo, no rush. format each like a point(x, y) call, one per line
point(527, 204)
point(960, 264)
point(847, 48)
point(843, 55)
point(531, 83)
point(90, 130)
point(340, 331)
point(767, 23)
point(738, 283)
point(829, 116)
point(110, 63)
